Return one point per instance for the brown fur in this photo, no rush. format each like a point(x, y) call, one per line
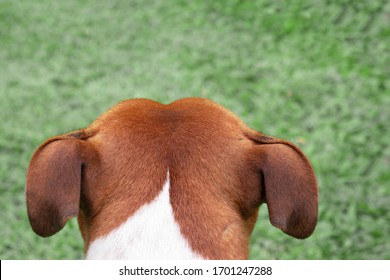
point(221, 172)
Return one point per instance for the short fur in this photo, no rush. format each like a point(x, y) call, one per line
point(220, 170)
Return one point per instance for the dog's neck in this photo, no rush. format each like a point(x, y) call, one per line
point(151, 233)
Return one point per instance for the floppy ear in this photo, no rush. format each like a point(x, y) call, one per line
point(53, 184)
point(290, 186)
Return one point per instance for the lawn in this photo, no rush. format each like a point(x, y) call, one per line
point(312, 72)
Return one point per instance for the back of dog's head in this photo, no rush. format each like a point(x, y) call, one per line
point(220, 172)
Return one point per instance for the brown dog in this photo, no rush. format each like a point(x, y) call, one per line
point(179, 181)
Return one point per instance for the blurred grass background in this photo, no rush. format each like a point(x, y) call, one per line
point(313, 72)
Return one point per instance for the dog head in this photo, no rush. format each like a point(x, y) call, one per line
point(219, 173)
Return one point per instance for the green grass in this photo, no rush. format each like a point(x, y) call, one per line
point(313, 72)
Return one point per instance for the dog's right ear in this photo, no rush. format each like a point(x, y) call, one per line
point(289, 185)
point(54, 182)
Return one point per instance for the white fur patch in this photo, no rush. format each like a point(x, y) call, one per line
point(151, 233)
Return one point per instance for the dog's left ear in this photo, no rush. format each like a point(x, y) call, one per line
point(53, 183)
point(289, 184)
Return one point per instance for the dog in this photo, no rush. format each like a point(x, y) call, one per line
point(177, 181)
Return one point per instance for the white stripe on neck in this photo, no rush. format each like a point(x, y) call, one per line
point(151, 233)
